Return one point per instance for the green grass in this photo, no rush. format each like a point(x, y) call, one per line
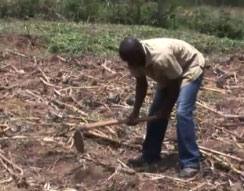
point(103, 39)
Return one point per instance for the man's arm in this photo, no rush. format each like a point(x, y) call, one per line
point(141, 91)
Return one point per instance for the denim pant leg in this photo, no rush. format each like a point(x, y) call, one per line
point(155, 129)
point(188, 149)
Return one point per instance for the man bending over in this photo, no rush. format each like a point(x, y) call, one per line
point(177, 67)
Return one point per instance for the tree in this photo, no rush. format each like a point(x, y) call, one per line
point(160, 12)
point(137, 4)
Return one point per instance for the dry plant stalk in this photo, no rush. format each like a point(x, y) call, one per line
point(14, 170)
point(158, 176)
point(205, 106)
point(222, 154)
point(223, 162)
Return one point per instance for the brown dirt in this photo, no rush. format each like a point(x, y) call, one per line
point(42, 101)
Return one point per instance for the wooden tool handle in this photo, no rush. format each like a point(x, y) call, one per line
point(113, 122)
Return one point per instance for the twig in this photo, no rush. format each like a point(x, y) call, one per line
point(232, 124)
point(222, 154)
point(229, 132)
point(223, 163)
point(3, 125)
point(116, 171)
point(126, 168)
point(199, 186)
point(44, 75)
point(6, 181)
point(11, 163)
point(75, 109)
point(49, 84)
point(80, 88)
point(235, 87)
point(115, 142)
point(214, 90)
point(33, 94)
point(43, 138)
point(91, 77)
point(208, 108)
point(7, 127)
point(17, 53)
point(228, 116)
point(8, 169)
point(109, 167)
point(228, 142)
point(158, 176)
point(24, 118)
point(57, 92)
point(18, 71)
point(209, 79)
point(107, 68)
point(99, 133)
point(62, 59)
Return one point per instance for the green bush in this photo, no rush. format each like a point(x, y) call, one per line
point(128, 12)
point(3, 9)
point(204, 21)
point(26, 8)
point(73, 9)
point(77, 10)
point(222, 25)
point(229, 27)
point(148, 13)
point(207, 20)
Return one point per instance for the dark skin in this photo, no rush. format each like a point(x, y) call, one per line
point(172, 92)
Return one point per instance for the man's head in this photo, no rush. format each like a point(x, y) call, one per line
point(132, 52)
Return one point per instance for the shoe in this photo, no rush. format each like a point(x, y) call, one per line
point(140, 162)
point(188, 172)
point(137, 162)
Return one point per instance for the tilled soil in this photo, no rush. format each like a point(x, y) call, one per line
point(43, 100)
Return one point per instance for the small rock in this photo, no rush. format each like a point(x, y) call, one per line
point(220, 83)
point(113, 98)
point(130, 101)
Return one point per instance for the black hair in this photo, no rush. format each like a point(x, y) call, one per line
point(130, 48)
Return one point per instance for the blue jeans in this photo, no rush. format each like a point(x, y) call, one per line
point(188, 149)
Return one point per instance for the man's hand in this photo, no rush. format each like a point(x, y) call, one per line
point(141, 90)
point(131, 119)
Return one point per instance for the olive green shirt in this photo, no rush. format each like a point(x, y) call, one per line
point(168, 59)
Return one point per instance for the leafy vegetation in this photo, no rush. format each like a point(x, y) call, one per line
point(219, 23)
point(103, 39)
point(169, 14)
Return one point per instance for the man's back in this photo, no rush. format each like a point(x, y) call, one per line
point(171, 58)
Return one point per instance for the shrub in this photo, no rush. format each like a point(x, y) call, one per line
point(148, 13)
point(229, 27)
point(207, 20)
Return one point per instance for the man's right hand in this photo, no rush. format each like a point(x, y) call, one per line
point(131, 120)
